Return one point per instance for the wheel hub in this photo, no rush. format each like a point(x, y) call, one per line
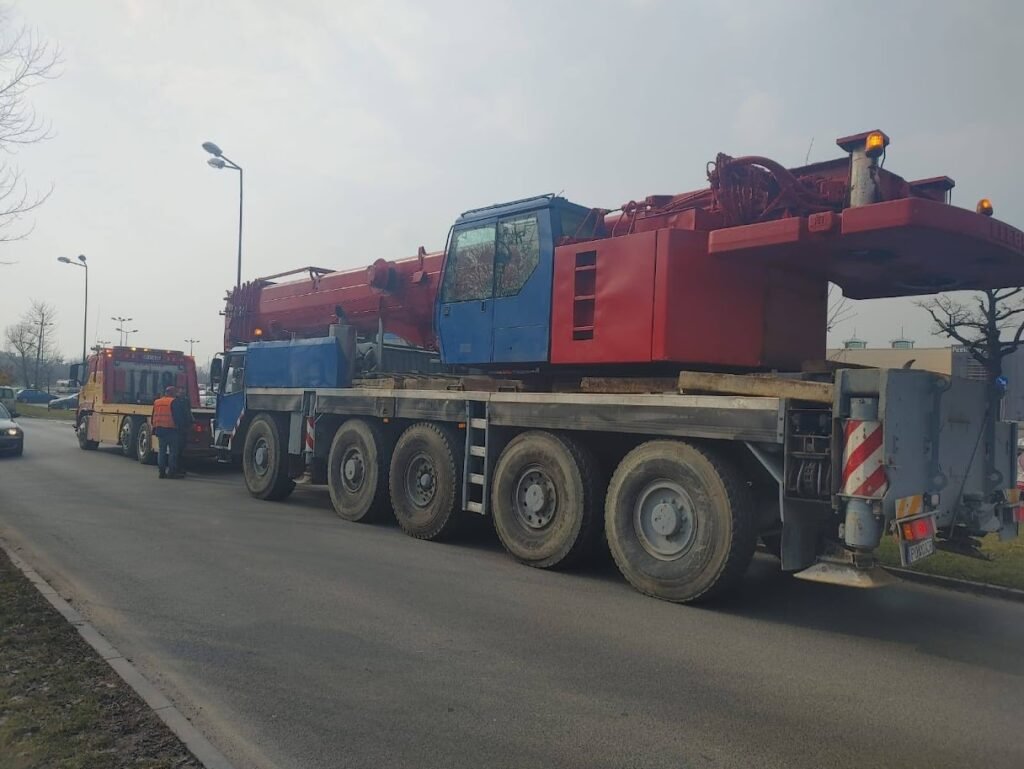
point(353, 470)
point(665, 520)
point(261, 457)
point(421, 481)
point(535, 499)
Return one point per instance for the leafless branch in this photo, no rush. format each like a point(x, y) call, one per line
point(839, 309)
point(26, 61)
point(981, 325)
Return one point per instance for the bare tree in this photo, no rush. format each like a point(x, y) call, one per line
point(981, 323)
point(838, 307)
point(41, 318)
point(25, 62)
point(21, 343)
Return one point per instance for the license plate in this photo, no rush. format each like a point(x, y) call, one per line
point(918, 550)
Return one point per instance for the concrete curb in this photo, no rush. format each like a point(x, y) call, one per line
point(175, 720)
point(963, 585)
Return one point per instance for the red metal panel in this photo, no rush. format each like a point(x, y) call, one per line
point(623, 301)
point(716, 312)
point(763, 234)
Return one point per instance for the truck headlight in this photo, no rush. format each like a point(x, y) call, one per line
point(13, 431)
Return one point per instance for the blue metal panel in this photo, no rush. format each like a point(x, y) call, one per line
point(305, 363)
point(229, 408)
point(522, 322)
point(465, 331)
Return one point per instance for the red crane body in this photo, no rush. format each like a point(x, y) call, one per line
point(733, 275)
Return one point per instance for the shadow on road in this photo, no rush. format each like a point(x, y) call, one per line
point(958, 626)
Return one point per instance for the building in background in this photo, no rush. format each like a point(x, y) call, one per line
point(952, 361)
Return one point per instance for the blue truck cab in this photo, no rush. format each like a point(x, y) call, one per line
point(494, 305)
point(298, 363)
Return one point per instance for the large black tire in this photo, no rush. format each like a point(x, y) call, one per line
point(679, 521)
point(144, 444)
point(127, 436)
point(80, 429)
point(265, 460)
point(357, 471)
point(425, 481)
point(546, 500)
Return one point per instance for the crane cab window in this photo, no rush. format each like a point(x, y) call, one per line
point(493, 260)
point(517, 255)
point(470, 271)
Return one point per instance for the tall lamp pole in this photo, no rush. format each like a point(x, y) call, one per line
point(122, 340)
point(85, 315)
point(190, 343)
point(220, 161)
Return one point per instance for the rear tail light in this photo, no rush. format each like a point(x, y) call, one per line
point(917, 529)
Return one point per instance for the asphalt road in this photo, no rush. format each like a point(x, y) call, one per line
point(294, 639)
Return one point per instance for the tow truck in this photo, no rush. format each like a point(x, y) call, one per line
point(115, 404)
point(651, 376)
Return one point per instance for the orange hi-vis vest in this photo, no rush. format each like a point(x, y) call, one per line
point(162, 416)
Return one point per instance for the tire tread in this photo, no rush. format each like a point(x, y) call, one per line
point(744, 539)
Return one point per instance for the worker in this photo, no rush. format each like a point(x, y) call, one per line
point(181, 410)
point(167, 434)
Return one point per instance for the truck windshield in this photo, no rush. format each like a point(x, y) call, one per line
point(143, 382)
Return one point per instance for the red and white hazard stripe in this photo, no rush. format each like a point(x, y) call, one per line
point(863, 460)
point(310, 433)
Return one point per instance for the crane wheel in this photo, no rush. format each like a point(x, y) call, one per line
point(144, 445)
point(357, 471)
point(679, 521)
point(546, 499)
point(82, 430)
point(425, 480)
point(127, 437)
point(265, 460)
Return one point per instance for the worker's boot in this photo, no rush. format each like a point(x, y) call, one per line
point(162, 475)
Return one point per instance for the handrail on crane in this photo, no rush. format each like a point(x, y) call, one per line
point(314, 272)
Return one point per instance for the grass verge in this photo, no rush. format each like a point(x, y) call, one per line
point(41, 412)
point(1006, 567)
point(60, 704)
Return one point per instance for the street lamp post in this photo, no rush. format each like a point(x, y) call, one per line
point(190, 343)
point(220, 161)
point(85, 315)
point(121, 328)
point(127, 332)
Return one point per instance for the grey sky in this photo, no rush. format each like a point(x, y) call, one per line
point(365, 128)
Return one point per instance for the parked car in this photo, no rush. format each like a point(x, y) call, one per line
point(30, 395)
point(67, 402)
point(7, 399)
point(12, 438)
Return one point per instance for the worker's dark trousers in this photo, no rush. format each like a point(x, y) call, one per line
point(167, 452)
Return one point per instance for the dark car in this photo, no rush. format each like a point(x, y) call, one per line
point(12, 439)
point(29, 395)
point(65, 403)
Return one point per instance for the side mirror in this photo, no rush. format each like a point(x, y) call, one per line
point(75, 373)
point(216, 370)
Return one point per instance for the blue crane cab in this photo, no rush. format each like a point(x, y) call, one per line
point(494, 304)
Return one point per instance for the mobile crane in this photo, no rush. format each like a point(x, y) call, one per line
point(655, 372)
